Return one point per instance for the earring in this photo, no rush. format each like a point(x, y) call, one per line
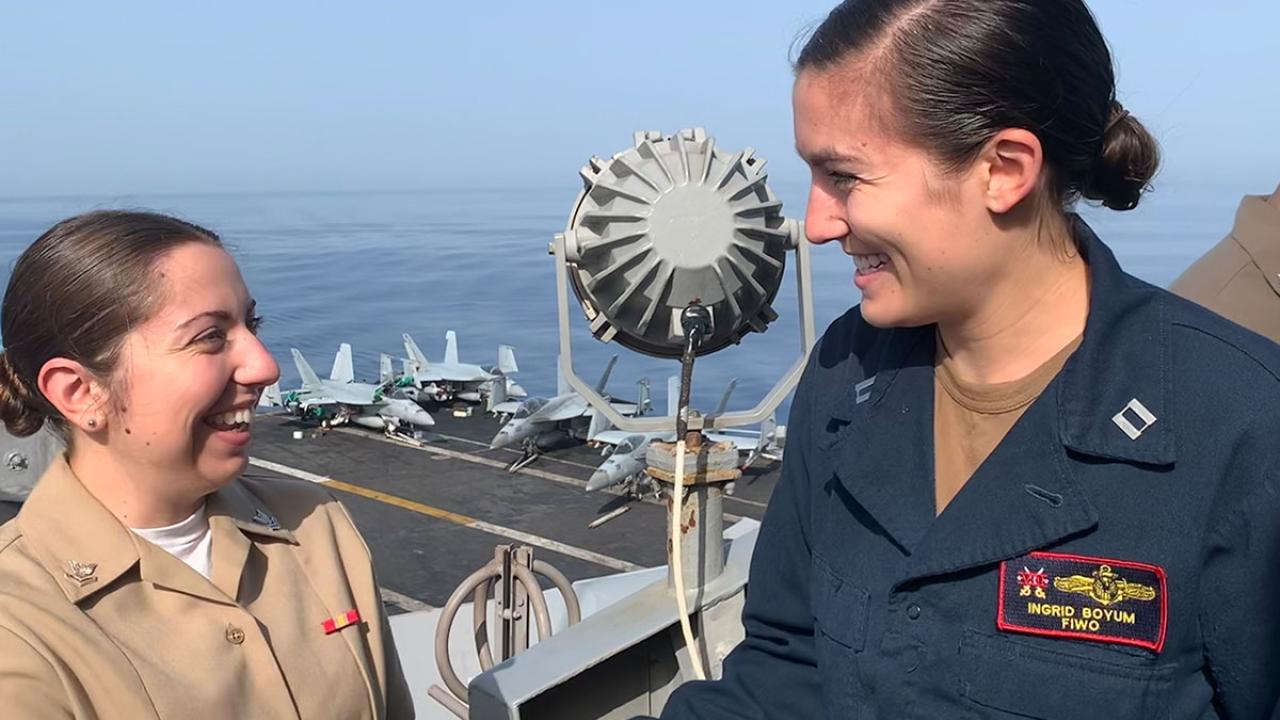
point(92, 422)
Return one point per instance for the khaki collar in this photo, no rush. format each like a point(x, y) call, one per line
point(1257, 230)
point(85, 548)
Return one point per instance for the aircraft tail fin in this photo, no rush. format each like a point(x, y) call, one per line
point(769, 432)
point(644, 399)
point(310, 381)
point(728, 393)
point(507, 360)
point(271, 396)
point(601, 387)
point(766, 440)
point(562, 385)
point(406, 367)
point(451, 348)
point(343, 366)
point(386, 374)
point(416, 356)
point(497, 393)
point(599, 424)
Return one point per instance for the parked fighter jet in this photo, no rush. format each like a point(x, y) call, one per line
point(340, 399)
point(626, 463)
point(538, 422)
point(452, 379)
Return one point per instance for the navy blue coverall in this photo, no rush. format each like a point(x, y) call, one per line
point(1117, 556)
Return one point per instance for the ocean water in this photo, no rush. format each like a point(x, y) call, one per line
point(364, 268)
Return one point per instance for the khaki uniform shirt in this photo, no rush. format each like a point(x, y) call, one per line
point(1240, 277)
point(970, 419)
point(96, 622)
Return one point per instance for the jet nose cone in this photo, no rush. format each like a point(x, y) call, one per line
point(610, 473)
point(423, 418)
point(501, 440)
point(600, 479)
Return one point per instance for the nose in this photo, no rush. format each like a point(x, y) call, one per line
point(824, 218)
point(256, 367)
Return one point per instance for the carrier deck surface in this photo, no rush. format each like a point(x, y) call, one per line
point(432, 514)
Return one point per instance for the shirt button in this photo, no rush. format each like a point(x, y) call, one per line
point(235, 635)
point(913, 611)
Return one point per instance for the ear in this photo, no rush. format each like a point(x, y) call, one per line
point(75, 393)
point(1013, 161)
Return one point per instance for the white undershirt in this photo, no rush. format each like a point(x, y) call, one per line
point(187, 540)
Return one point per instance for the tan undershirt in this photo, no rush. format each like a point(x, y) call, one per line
point(970, 419)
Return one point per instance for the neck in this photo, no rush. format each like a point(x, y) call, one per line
point(134, 494)
point(1026, 318)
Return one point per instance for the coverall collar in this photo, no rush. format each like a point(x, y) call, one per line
point(85, 548)
point(1112, 401)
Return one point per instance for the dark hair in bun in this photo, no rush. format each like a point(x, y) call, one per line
point(75, 293)
point(956, 72)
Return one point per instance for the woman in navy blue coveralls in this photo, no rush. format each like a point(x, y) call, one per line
point(1117, 553)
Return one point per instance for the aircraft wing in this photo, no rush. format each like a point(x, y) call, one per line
point(459, 375)
point(561, 412)
point(506, 408)
point(611, 437)
point(353, 394)
point(309, 401)
point(625, 408)
point(744, 441)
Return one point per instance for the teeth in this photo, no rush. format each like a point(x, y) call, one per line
point(232, 417)
point(867, 263)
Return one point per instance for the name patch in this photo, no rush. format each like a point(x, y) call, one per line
point(1088, 598)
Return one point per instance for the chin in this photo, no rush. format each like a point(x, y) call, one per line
point(889, 312)
point(225, 471)
point(877, 314)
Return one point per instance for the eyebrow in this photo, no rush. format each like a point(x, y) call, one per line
point(222, 315)
point(830, 154)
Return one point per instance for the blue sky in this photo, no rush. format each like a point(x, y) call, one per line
point(155, 97)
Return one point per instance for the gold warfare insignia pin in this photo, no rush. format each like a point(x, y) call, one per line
point(1105, 586)
point(82, 573)
point(1087, 598)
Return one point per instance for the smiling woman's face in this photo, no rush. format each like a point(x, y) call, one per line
point(191, 373)
point(917, 234)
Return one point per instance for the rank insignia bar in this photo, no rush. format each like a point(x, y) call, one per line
point(334, 624)
point(1087, 598)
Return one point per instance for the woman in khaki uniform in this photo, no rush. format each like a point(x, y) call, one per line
point(1240, 277)
point(146, 577)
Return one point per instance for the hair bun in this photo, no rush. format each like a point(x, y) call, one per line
point(1126, 162)
point(19, 409)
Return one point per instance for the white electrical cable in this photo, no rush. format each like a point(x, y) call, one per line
point(677, 568)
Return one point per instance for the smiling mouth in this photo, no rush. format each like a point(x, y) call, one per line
point(868, 264)
point(231, 420)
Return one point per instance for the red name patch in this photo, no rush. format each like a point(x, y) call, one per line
point(1087, 598)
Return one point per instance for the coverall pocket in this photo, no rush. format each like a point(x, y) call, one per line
point(839, 609)
point(1010, 675)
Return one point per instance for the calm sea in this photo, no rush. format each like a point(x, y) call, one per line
point(364, 268)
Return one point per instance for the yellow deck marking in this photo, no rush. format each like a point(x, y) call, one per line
point(449, 516)
point(400, 502)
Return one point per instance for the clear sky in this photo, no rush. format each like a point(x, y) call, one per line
point(151, 97)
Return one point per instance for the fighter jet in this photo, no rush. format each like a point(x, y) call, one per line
point(626, 463)
point(539, 422)
point(340, 399)
point(452, 379)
